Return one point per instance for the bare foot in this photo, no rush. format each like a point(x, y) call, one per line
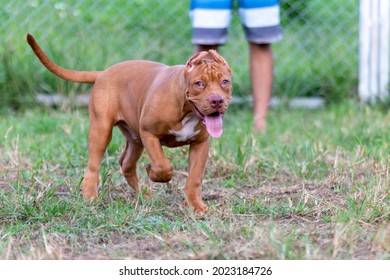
point(259, 124)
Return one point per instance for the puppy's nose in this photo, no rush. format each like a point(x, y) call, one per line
point(216, 101)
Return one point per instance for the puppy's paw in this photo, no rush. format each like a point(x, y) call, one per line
point(90, 193)
point(161, 173)
point(198, 207)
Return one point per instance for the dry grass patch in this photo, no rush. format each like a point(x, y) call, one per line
point(312, 191)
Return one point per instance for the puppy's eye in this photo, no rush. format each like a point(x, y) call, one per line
point(199, 84)
point(225, 83)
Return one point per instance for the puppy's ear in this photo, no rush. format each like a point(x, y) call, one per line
point(194, 60)
point(218, 58)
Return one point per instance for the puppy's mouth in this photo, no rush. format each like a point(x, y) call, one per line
point(212, 122)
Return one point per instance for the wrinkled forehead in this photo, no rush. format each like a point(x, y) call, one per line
point(209, 70)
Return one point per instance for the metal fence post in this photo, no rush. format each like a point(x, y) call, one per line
point(374, 50)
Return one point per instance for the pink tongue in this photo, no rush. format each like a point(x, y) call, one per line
point(214, 125)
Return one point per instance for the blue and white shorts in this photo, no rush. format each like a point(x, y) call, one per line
point(259, 18)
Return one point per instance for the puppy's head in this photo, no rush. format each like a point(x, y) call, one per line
point(209, 88)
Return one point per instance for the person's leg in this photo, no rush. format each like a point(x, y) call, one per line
point(260, 20)
point(261, 73)
point(202, 48)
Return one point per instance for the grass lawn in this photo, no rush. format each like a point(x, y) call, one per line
point(314, 186)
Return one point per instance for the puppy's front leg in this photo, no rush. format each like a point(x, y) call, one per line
point(159, 169)
point(198, 158)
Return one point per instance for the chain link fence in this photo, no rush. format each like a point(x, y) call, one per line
point(318, 55)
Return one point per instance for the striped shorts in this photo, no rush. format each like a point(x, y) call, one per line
point(211, 18)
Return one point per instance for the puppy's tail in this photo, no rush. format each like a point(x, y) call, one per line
point(70, 75)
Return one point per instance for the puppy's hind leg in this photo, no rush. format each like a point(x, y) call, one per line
point(128, 161)
point(100, 134)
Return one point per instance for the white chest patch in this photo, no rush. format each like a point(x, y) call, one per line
point(188, 130)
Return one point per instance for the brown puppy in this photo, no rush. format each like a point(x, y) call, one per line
point(153, 105)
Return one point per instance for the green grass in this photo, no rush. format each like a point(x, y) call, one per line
point(314, 186)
